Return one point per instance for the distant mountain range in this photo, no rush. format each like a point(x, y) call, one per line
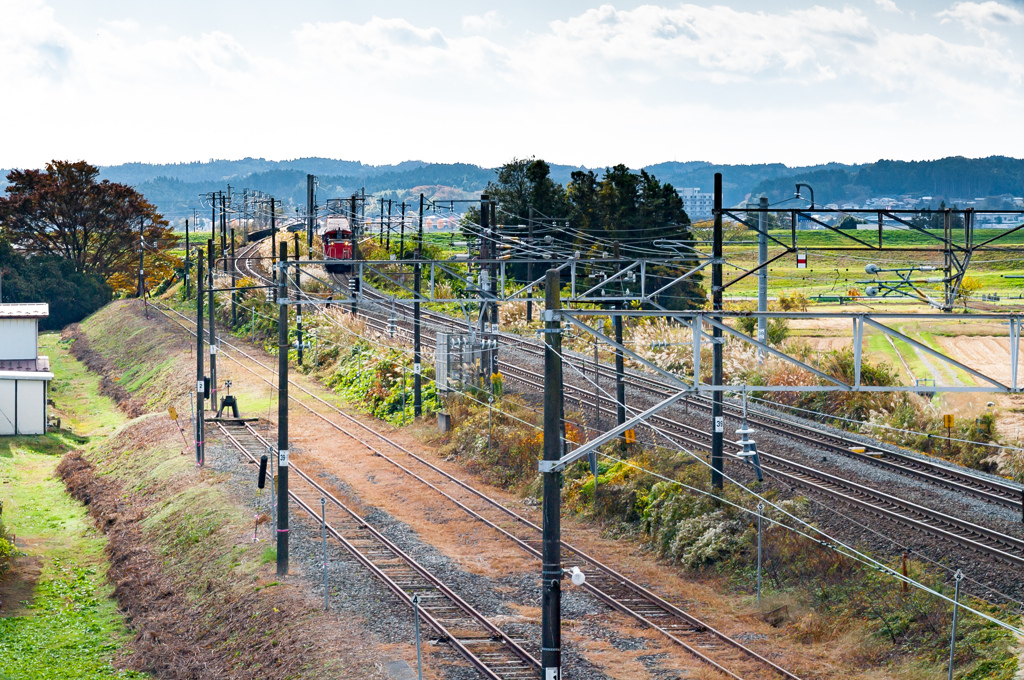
point(175, 188)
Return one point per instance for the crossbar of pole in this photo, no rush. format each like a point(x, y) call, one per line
point(596, 443)
point(673, 282)
point(767, 348)
point(938, 355)
point(632, 355)
point(608, 280)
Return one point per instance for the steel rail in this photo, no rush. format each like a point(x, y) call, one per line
point(495, 634)
point(927, 520)
point(697, 626)
point(992, 491)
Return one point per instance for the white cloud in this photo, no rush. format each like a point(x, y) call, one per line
point(985, 19)
point(600, 86)
point(485, 22)
point(888, 6)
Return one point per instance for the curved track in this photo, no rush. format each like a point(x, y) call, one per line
point(469, 632)
point(710, 646)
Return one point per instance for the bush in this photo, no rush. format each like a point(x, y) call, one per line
point(72, 295)
point(7, 549)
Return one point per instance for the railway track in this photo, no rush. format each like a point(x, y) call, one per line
point(937, 524)
point(1003, 493)
point(710, 646)
point(933, 522)
point(493, 653)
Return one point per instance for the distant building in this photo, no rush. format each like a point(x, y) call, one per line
point(24, 375)
point(698, 206)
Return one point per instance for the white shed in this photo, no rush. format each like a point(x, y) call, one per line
point(24, 375)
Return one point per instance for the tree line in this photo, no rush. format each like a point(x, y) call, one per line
point(592, 214)
point(72, 240)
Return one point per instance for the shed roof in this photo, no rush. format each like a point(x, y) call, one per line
point(24, 310)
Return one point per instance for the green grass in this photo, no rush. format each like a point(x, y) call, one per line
point(72, 627)
point(76, 391)
point(71, 630)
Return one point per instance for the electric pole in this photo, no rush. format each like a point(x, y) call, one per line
point(310, 213)
point(224, 232)
point(762, 275)
point(718, 422)
point(496, 231)
point(401, 241)
point(273, 238)
point(200, 378)
point(417, 403)
point(485, 289)
point(213, 332)
point(551, 568)
point(419, 239)
point(234, 283)
point(187, 263)
point(298, 306)
point(282, 416)
point(355, 252)
point(529, 268)
point(620, 367)
point(142, 252)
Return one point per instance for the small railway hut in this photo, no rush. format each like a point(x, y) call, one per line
point(24, 375)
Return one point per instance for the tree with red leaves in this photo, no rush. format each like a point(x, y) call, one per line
point(65, 211)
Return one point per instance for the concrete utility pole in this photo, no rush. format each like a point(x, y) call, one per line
point(142, 253)
point(496, 232)
point(401, 241)
point(620, 367)
point(200, 378)
point(213, 332)
point(282, 417)
point(419, 239)
point(718, 422)
point(224, 232)
point(529, 267)
point(310, 212)
point(355, 250)
point(273, 238)
point(234, 283)
point(298, 307)
point(417, 402)
point(762, 275)
point(213, 216)
point(551, 568)
point(486, 285)
point(187, 262)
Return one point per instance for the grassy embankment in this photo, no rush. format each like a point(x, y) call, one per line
point(67, 625)
point(182, 536)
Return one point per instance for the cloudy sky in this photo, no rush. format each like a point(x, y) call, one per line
point(574, 82)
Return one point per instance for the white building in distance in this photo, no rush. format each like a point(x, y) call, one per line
point(698, 206)
point(24, 375)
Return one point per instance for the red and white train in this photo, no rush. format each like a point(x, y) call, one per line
point(337, 240)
